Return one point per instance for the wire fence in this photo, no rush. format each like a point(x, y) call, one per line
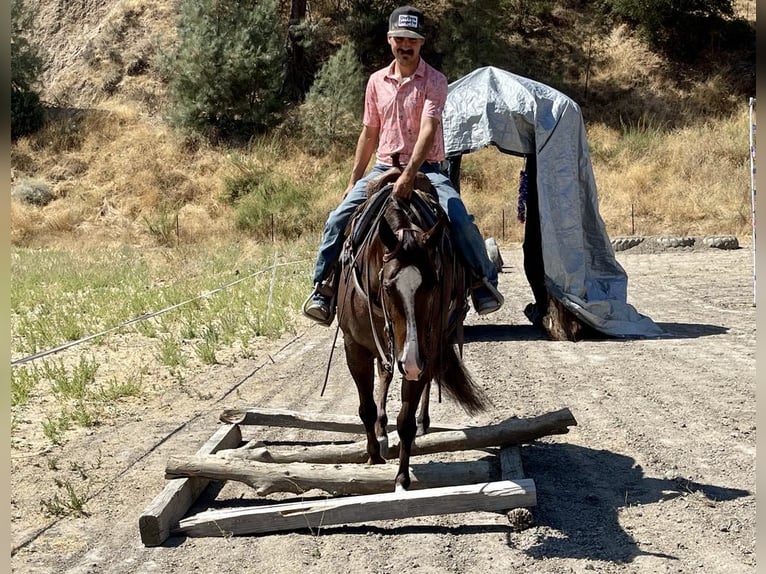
point(153, 314)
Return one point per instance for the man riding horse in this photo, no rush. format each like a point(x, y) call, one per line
point(402, 118)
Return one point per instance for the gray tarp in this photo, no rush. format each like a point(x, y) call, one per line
point(490, 106)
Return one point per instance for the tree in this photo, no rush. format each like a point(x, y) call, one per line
point(331, 114)
point(226, 74)
point(27, 113)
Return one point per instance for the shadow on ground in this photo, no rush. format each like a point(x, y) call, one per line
point(579, 493)
point(499, 332)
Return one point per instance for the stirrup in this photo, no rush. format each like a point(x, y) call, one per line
point(330, 309)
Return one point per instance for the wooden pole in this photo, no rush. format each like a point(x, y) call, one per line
point(752, 187)
point(179, 494)
point(335, 479)
point(487, 496)
point(510, 431)
point(294, 419)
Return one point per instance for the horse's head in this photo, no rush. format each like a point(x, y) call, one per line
point(410, 277)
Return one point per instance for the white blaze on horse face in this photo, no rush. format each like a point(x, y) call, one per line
point(407, 282)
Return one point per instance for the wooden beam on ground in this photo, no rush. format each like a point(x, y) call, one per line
point(179, 494)
point(488, 496)
point(294, 419)
point(513, 431)
point(336, 479)
point(510, 463)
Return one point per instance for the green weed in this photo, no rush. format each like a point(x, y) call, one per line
point(169, 352)
point(69, 503)
point(115, 389)
point(206, 348)
point(23, 382)
point(74, 384)
point(61, 294)
point(54, 429)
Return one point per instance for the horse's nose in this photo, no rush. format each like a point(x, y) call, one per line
point(410, 364)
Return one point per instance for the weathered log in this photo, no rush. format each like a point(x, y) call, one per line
point(511, 467)
point(336, 479)
point(179, 494)
point(508, 432)
point(294, 419)
point(488, 496)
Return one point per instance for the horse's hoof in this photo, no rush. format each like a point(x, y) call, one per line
point(402, 484)
point(376, 460)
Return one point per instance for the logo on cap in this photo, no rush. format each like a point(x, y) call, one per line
point(407, 21)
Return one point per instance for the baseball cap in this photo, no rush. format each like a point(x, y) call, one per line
point(406, 22)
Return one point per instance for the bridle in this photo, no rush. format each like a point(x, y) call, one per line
point(386, 349)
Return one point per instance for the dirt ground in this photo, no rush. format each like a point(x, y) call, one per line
point(658, 476)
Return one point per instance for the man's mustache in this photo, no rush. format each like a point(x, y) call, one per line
point(407, 51)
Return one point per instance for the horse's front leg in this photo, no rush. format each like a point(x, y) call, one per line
point(407, 427)
point(360, 364)
point(423, 420)
point(384, 382)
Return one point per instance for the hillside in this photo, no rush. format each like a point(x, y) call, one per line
point(106, 99)
point(103, 50)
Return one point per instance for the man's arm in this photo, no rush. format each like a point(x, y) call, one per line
point(365, 146)
point(428, 128)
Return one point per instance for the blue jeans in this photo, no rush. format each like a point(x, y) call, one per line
point(464, 232)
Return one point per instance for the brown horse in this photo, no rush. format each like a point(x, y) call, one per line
point(401, 297)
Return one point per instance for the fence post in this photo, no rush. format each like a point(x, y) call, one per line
point(752, 183)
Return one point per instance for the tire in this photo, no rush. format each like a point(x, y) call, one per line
point(674, 241)
point(721, 241)
point(623, 243)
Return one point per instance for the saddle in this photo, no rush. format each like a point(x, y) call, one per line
point(424, 204)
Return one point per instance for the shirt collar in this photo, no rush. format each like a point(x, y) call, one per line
point(419, 71)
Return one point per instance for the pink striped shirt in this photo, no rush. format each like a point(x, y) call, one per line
point(397, 109)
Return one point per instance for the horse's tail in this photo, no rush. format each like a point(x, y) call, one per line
point(455, 379)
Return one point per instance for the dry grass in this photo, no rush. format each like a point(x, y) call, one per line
point(689, 181)
point(745, 9)
point(651, 180)
point(125, 178)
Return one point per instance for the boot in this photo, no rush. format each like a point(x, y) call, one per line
point(320, 305)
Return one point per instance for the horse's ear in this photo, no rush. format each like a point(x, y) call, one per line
point(387, 235)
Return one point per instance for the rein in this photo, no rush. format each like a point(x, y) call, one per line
point(361, 272)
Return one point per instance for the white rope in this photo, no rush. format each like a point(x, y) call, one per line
point(146, 316)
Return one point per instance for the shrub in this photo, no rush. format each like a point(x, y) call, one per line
point(463, 21)
point(33, 192)
point(266, 204)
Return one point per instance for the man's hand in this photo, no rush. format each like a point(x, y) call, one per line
point(403, 186)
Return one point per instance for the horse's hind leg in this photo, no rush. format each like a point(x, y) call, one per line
point(423, 420)
point(360, 364)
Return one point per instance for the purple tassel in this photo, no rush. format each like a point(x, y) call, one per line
point(521, 208)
